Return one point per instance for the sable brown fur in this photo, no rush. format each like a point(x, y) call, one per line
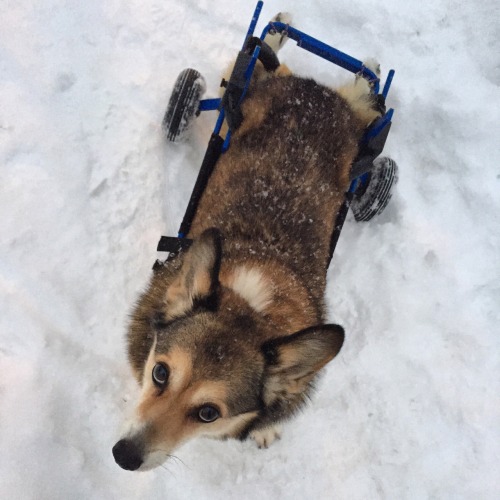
point(244, 306)
point(288, 171)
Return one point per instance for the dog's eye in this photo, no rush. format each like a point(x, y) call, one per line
point(208, 413)
point(160, 374)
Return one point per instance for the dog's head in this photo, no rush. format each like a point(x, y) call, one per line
point(209, 364)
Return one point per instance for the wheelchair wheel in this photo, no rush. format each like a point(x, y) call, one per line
point(183, 105)
point(375, 190)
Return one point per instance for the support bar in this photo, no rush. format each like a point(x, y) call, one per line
point(325, 51)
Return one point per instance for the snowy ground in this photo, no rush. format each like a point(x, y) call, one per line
point(411, 407)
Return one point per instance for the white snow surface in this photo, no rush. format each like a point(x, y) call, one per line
point(410, 409)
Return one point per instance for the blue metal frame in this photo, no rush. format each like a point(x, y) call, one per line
point(325, 51)
point(209, 104)
point(318, 48)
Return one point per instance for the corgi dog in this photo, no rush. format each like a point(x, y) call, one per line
point(230, 335)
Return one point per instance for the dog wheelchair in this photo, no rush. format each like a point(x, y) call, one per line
point(372, 177)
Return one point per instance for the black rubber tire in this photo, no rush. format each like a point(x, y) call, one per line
point(373, 195)
point(183, 105)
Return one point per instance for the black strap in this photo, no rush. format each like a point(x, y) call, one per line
point(173, 245)
point(339, 223)
point(231, 100)
point(212, 154)
point(267, 56)
point(176, 245)
point(371, 148)
point(234, 90)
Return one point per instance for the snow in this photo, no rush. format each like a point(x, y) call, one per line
point(410, 409)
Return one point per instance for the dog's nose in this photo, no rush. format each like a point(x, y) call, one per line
point(127, 454)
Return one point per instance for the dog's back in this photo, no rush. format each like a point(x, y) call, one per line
point(277, 190)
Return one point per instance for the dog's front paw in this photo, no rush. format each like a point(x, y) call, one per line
point(266, 437)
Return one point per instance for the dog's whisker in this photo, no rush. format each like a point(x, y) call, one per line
point(179, 460)
point(167, 469)
point(175, 458)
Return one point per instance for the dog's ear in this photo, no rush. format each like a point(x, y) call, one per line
point(198, 278)
point(293, 360)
